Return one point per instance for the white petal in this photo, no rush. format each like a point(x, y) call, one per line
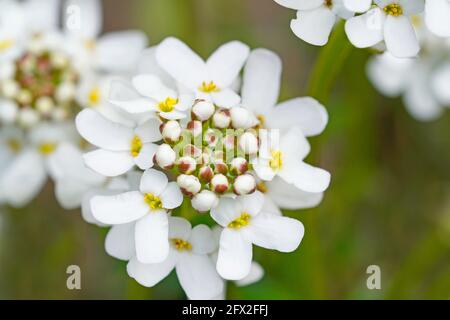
point(23, 179)
point(183, 64)
point(225, 98)
point(226, 211)
point(306, 113)
point(198, 277)
point(119, 209)
point(151, 235)
point(179, 228)
point(42, 15)
point(153, 181)
point(147, 64)
point(300, 4)
point(235, 255)
point(358, 5)
point(314, 26)
point(150, 274)
point(109, 163)
point(294, 145)
point(128, 99)
point(262, 76)
point(287, 196)
point(273, 232)
point(149, 131)
point(251, 203)
point(400, 37)
point(119, 242)
point(152, 87)
point(69, 193)
point(91, 18)
point(256, 273)
point(437, 13)
point(113, 56)
point(145, 158)
point(171, 197)
point(307, 178)
point(102, 132)
point(366, 30)
point(440, 80)
point(226, 62)
point(202, 240)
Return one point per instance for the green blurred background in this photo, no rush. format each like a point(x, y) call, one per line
point(388, 204)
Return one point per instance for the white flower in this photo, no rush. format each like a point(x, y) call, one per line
point(148, 208)
point(121, 147)
point(315, 18)
point(437, 17)
point(388, 21)
point(188, 255)
point(12, 29)
point(260, 91)
point(245, 224)
point(210, 80)
point(286, 161)
point(357, 5)
point(149, 94)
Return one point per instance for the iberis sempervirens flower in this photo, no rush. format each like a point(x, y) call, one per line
point(203, 151)
point(47, 75)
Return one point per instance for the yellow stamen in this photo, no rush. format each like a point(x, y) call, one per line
point(277, 160)
point(47, 148)
point(261, 187)
point(136, 146)
point(167, 105)
point(89, 44)
point(94, 96)
point(6, 44)
point(240, 222)
point(153, 201)
point(209, 87)
point(393, 9)
point(181, 244)
point(328, 3)
point(14, 145)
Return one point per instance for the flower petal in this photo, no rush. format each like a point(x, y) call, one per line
point(171, 197)
point(152, 87)
point(149, 275)
point(144, 160)
point(119, 209)
point(179, 228)
point(225, 98)
point(252, 203)
point(235, 255)
point(437, 13)
point(400, 37)
point(359, 6)
point(306, 177)
point(366, 30)
point(153, 181)
point(314, 26)
point(109, 163)
point(202, 240)
point(91, 11)
point(149, 131)
point(119, 242)
point(300, 4)
point(152, 237)
point(256, 273)
point(226, 211)
point(128, 99)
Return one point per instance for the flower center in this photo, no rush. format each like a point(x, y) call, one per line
point(14, 145)
point(89, 44)
point(328, 3)
point(47, 148)
point(240, 222)
point(153, 201)
point(94, 96)
point(277, 160)
point(167, 105)
point(181, 245)
point(6, 44)
point(136, 146)
point(209, 87)
point(393, 9)
point(261, 187)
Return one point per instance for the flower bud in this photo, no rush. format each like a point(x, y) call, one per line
point(220, 167)
point(192, 151)
point(44, 105)
point(10, 88)
point(189, 185)
point(239, 166)
point(222, 119)
point(8, 112)
point(24, 96)
point(204, 201)
point(248, 143)
point(212, 137)
point(219, 183)
point(244, 184)
point(28, 117)
point(205, 174)
point(241, 118)
point(195, 127)
point(171, 131)
point(165, 156)
point(65, 92)
point(203, 110)
point(187, 165)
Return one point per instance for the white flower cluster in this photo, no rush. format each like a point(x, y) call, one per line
point(46, 75)
point(423, 82)
point(204, 141)
point(387, 23)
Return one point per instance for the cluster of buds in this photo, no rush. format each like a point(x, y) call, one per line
point(210, 153)
point(40, 84)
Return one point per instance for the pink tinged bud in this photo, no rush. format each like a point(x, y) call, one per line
point(203, 110)
point(219, 183)
point(165, 156)
point(220, 167)
point(189, 185)
point(222, 119)
point(192, 151)
point(195, 127)
point(186, 165)
point(205, 174)
point(239, 166)
point(228, 142)
point(205, 201)
point(244, 184)
point(211, 138)
point(171, 131)
point(248, 143)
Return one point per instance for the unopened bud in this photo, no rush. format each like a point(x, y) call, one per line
point(248, 143)
point(222, 119)
point(204, 201)
point(165, 156)
point(241, 118)
point(244, 184)
point(189, 185)
point(219, 183)
point(205, 174)
point(195, 127)
point(203, 110)
point(239, 166)
point(186, 165)
point(28, 117)
point(171, 131)
point(44, 105)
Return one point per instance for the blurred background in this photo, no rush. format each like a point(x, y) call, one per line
point(388, 204)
